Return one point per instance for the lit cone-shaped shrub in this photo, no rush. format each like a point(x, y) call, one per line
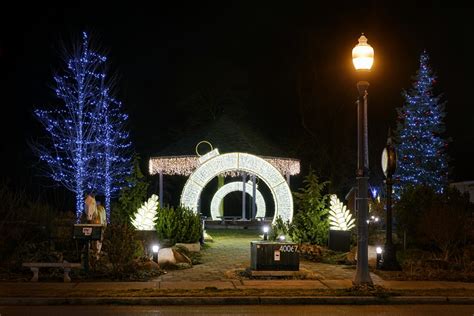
point(145, 217)
point(340, 218)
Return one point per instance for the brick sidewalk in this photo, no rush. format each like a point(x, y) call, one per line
point(225, 256)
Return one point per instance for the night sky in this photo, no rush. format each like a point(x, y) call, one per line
point(285, 63)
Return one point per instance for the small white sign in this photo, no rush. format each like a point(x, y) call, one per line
point(276, 255)
point(87, 231)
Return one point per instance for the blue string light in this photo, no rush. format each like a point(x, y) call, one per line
point(88, 149)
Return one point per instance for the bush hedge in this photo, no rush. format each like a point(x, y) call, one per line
point(178, 225)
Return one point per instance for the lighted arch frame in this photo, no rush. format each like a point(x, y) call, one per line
point(232, 187)
point(213, 164)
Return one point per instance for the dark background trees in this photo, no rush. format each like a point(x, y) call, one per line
point(289, 67)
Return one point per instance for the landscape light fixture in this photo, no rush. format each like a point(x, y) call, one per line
point(265, 232)
point(155, 249)
point(379, 251)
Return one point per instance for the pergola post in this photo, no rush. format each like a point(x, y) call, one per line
point(220, 184)
point(244, 180)
point(254, 200)
point(161, 189)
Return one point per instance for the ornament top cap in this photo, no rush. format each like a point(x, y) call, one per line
point(363, 40)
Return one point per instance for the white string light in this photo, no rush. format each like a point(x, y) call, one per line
point(185, 165)
point(245, 163)
point(232, 187)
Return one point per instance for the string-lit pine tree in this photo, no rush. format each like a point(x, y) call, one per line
point(114, 156)
point(70, 155)
point(422, 158)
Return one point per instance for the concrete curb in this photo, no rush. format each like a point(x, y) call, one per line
point(239, 300)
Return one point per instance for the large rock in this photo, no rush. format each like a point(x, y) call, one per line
point(194, 247)
point(170, 256)
point(166, 257)
point(181, 257)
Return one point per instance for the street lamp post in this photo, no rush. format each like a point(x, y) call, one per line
point(362, 58)
point(389, 165)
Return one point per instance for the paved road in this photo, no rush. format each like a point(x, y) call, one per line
point(261, 310)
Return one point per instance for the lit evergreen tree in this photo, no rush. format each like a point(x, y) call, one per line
point(311, 221)
point(132, 195)
point(422, 158)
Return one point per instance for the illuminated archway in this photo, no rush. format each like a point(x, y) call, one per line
point(218, 198)
point(212, 164)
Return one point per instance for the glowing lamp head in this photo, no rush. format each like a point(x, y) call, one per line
point(265, 229)
point(363, 55)
point(378, 250)
point(282, 238)
point(155, 248)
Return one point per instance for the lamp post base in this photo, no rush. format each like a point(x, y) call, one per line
point(389, 262)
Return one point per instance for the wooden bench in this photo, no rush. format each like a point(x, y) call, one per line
point(229, 218)
point(66, 266)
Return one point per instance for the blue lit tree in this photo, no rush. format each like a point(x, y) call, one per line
point(87, 148)
point(422, 158)
point(113, 157)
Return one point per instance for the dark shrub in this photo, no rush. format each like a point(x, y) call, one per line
point(179, 224)
point(310, 223)
point(131, 196)
point(413, 203)
point(121, 247)
point(444, 223)
point(433, 221)
point(279, 228)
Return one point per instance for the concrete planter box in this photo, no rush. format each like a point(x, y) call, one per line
point(194, 247)
point(340, 240)
point(147, 236)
